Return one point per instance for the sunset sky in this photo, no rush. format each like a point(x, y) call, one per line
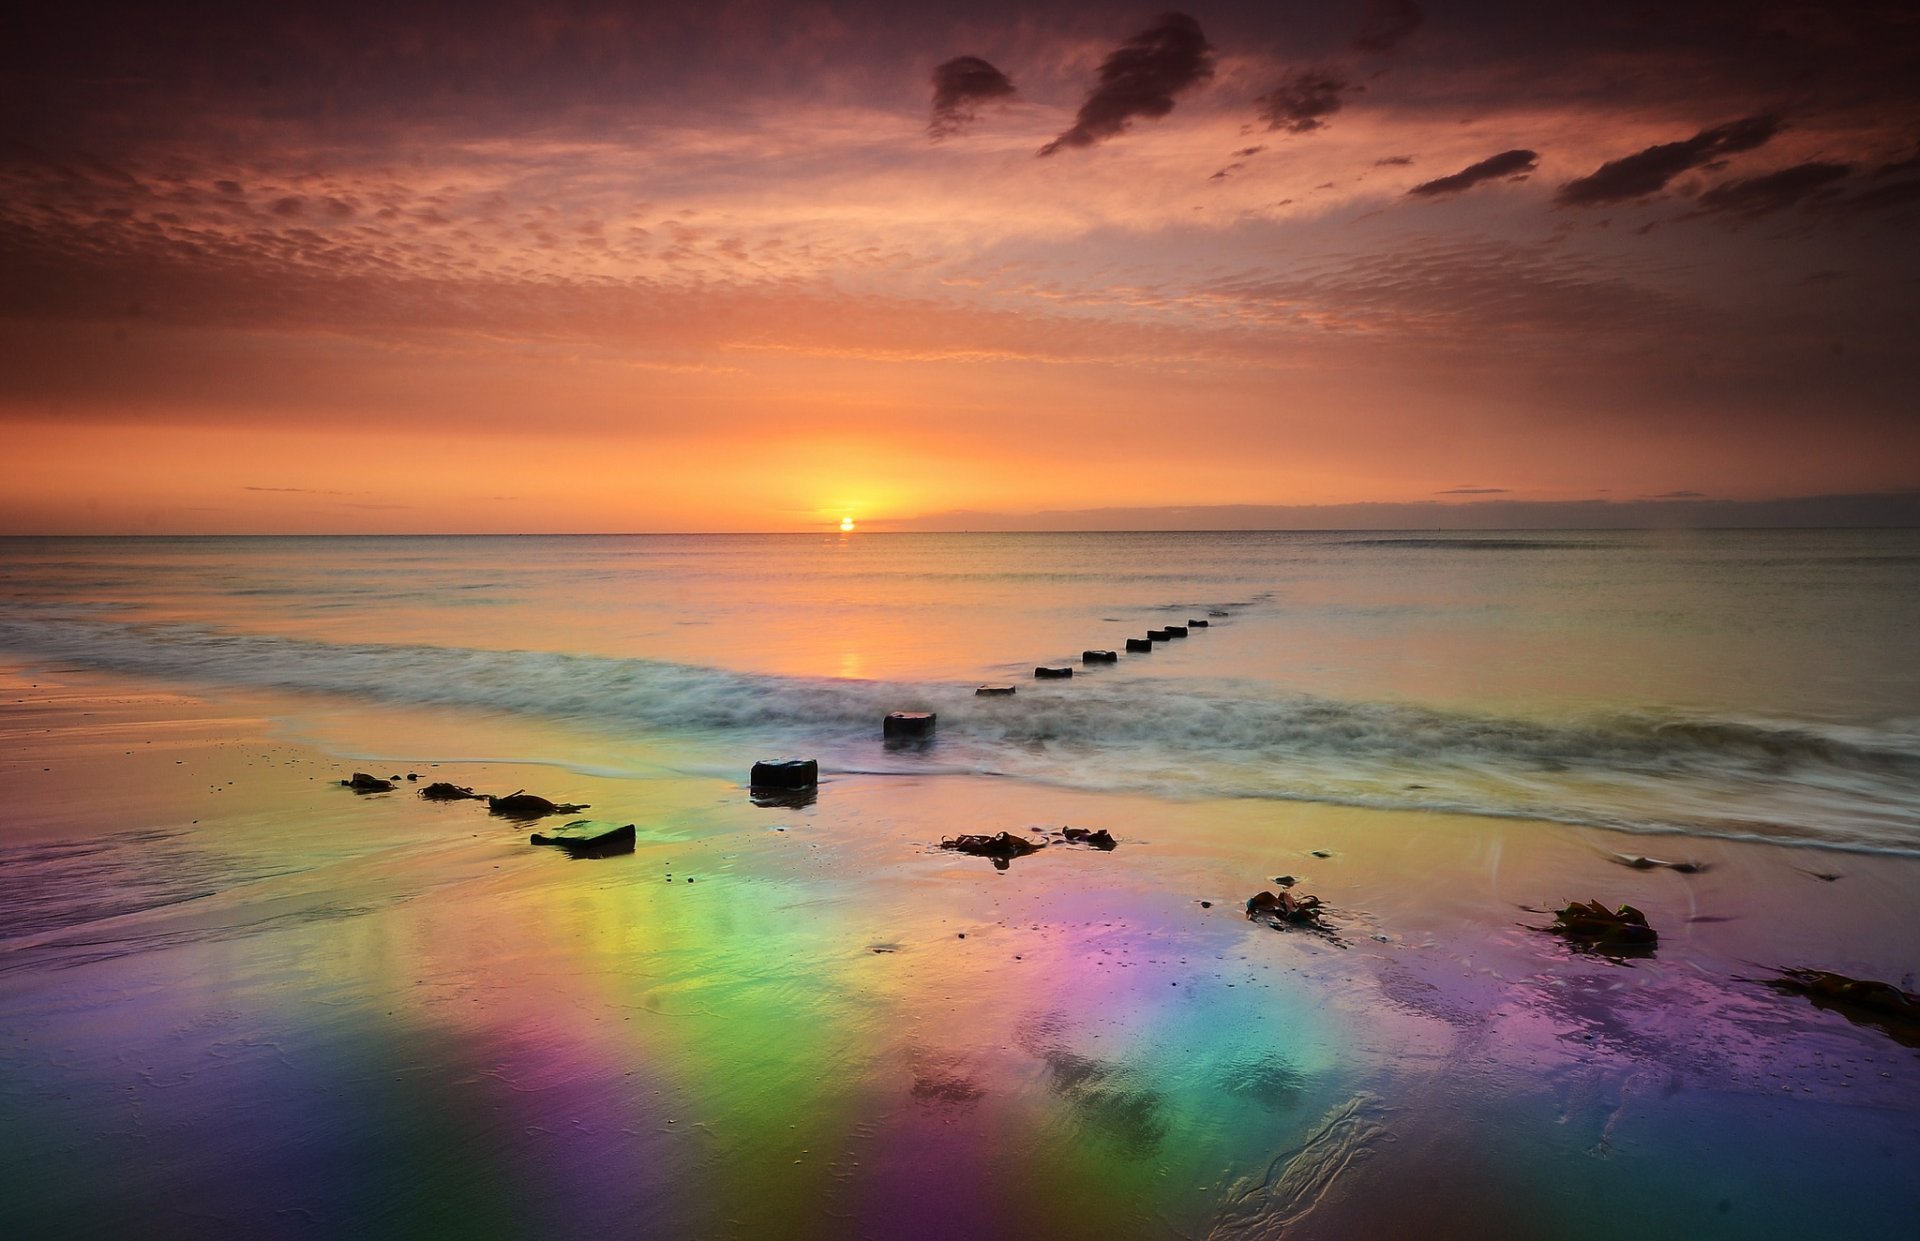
point(743, 266)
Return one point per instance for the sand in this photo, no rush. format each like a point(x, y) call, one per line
point(241, 1000)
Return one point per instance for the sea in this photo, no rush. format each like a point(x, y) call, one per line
point(1742, 684)
point(239, 1000)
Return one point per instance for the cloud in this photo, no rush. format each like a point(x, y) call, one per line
point(1460, 291)
point(1303, 100)
point(958, 86)
point(1841, 511)
point(1773, 191)
point(1140, 79)
point(1678, 495)
point(1648, 172)
point(1514, 163)
point(1393, 161)
point(1228, 171)
point(1885, 197)
point(1387, 24)
point(1471, 490)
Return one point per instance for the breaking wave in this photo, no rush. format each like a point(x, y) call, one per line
point(1645, 771)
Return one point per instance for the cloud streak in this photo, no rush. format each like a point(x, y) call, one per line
point(1647, 172)
point(1387, 24)
point(1141, 80)
point(960, 85)
point(1507, 164)
point(1303, 100)
point(1773, 191)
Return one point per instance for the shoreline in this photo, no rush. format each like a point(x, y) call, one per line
point(1100, 1047)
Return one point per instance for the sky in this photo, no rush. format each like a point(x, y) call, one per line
point(505, 267)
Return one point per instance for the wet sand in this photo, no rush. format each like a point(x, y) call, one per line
point(241, 1000)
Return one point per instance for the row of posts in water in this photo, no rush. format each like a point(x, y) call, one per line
point(788, 774)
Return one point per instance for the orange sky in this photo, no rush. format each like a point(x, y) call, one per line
point(585, 268)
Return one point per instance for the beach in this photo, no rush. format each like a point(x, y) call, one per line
point(242, 999)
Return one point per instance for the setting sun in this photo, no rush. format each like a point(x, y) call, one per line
point(846, 525)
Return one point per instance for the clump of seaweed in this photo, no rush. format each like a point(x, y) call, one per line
point(1285, 911)
point(521, 804)
point(442, 791)
point(1001, 847)
point(1611, 932)
point(1881, 1005)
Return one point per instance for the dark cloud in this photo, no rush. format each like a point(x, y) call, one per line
point(1506, 164)
point(1247, 152)
point(959, 85)
point(1885, 197)
point(1303, 100)
point(1470, 490)
point(1648, 172)
point(1910, 164)
point(1386, 24)
point(1864, 509)
point(1140, 79)
point(289, 206)
point(1393, 161)
point(1773, 191)
point(1228, 171)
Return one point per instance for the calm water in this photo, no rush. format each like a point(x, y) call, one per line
point(1759, 684)
point(239, 1000)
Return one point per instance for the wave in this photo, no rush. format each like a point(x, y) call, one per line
point(1642, 771)
point(1481, 545)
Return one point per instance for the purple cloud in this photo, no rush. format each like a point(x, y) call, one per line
point(1141, 79)
point(1303, 100)
point(1648, 172)
point(1387, 24)
point(959, 85)
point(1515, 163)
point(1773, 191)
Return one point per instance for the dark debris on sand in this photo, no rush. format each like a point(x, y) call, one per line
point(602, 844)
point(1000, 846)
point(442, 791)
point(1610, 932)
point(1286, 912)
point(524, 805)
point(1881, 1005)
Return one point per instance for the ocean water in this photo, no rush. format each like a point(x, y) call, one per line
point(238, 1000)
point(1743, 684)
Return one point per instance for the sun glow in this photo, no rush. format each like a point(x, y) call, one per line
point(846, 525)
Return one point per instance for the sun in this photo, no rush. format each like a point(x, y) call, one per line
point(846, 525)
